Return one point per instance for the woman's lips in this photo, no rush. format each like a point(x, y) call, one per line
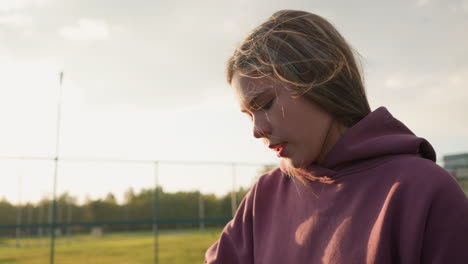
point(279, 148)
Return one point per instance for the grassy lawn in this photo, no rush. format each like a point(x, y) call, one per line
point(174, 248)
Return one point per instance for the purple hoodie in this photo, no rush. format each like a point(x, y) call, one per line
point(379, 198)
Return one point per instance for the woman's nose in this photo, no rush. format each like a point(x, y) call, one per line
point(262, 127)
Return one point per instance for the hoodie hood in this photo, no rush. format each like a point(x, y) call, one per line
point(376, 135)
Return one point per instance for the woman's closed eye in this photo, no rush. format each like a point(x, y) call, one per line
point(268, 105)
point(258, 107)
point(265, 106)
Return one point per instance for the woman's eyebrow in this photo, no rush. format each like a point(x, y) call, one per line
point(251, 99)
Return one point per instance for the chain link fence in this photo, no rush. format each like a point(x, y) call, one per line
point(143, 211)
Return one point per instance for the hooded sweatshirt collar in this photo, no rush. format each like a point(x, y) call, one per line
point(376, 135)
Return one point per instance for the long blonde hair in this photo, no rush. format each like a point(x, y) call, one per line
point(307, 53)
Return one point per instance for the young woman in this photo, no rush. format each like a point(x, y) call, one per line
point(353, 186)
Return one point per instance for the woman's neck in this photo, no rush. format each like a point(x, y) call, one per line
point(336, 130)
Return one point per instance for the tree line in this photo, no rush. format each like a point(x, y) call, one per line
point(129, 215)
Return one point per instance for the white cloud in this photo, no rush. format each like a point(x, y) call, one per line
point(9, 5)
point(393, 82)
point(87, 29)
point(464, 5)
point(28, 101)
point(422, 3)
point(460, 6)
point(402, 81)
point(16, 20)
point(443, 95)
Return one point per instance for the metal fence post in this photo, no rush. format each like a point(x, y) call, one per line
point(30, 219)
point(19, 213)
point(233, 192)
point(69, 219)
point(201, 212)
point(53, 214)
point(155, 212)
point(57, 152)
point(40, 229)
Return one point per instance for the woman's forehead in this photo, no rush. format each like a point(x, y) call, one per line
point(248, 88)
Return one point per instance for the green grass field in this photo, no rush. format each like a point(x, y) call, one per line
point(125, 248)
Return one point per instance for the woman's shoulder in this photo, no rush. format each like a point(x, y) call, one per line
point(416, 172)
point(414, 166)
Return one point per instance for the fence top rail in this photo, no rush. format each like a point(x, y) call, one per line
point(142, 161)
point(120, 222)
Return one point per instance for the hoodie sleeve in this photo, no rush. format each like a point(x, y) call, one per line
point(446, 232)
point(235, 245)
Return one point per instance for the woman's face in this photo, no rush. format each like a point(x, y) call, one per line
point(295, 128)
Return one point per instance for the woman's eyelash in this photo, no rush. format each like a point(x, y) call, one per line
point(260, 107)
point(265, 106)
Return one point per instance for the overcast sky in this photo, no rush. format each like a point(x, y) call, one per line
point(145, 80)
